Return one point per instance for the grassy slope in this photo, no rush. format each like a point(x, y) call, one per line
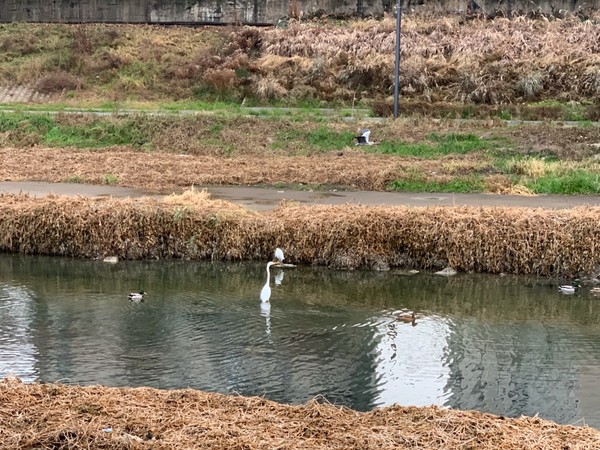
point(445, 60)
point(451, 67)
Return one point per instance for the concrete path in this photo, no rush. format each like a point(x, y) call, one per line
point(267, 198)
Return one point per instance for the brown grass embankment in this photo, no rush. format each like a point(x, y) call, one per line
point(444, 59)
point(164, 172)
point(58, 416)
point(492, 240)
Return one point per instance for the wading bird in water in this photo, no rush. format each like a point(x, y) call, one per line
point(265, 293)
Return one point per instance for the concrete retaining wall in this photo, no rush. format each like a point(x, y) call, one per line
point(246, 11)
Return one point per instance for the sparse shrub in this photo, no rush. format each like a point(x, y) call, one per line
point(383, 108)
point(248, 39)
point(269, 88)
point(106, 59)
point(82, 43)
point(73, 179)
point(62, 60)
point(18, 45)
point(109, 178)
point(530, 86)
point(58, 82)
point(303, 92)
point(593, 112)
point(220, 79)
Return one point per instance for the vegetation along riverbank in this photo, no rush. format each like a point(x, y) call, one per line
point(191, 225)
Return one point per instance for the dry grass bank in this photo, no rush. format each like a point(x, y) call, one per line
point(58, 416)
point(444, 59)
point(164, 172)
point(493, 240)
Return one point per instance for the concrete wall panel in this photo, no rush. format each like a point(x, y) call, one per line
point(247, 11)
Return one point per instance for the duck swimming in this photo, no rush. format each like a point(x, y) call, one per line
point(567, 289)
point(406, 316)
point(136, 296)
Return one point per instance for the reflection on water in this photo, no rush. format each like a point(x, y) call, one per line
point(508, 345)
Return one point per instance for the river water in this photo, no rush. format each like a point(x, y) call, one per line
point(506, 345)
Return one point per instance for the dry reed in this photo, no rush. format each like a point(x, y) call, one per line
point(470, 239)
point(58, 416)
point(446, 58)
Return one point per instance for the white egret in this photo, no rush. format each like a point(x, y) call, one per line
point(265, 294)
point(136, 296)
point(279, 255)
point(363, 139)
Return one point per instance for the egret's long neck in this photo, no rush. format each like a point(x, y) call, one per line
point(268, 275)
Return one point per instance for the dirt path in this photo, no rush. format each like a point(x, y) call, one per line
point(258, 198)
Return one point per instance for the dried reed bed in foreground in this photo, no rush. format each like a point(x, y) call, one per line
point(484, 239)
point(58, 416)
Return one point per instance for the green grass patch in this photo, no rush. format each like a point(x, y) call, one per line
point(109, 178)
point(98, 134)
point(73, 179)
point(325, 139)
point(39, 123)
point(322, 139)
point(437, 145)
point(471, 184)
point(48, 130)
point(573, 182)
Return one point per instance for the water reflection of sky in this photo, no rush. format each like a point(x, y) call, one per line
point(17, 351)
point(410, 362)
point(506, 347)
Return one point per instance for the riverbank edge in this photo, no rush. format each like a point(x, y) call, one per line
point(524, 241)
point(60, 416)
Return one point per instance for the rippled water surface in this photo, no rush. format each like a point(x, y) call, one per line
point(506, 345)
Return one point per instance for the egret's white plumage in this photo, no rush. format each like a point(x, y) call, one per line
point(265, 293)
point(279, 255)
point(363, 138)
